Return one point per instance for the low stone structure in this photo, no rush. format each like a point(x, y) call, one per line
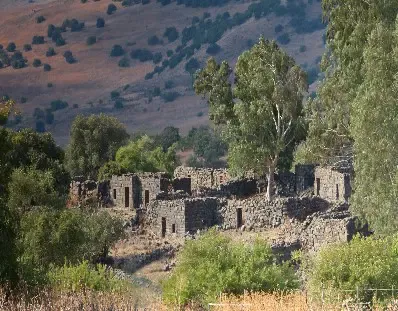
point(137, 190)
point(333, 184)
point(181, 216)
point(202, 178)
point(88, 192)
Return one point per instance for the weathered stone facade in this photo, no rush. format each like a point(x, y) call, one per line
point(88, 192)
point(137, 190)
point(202, 178)
point(332, 184)
point(180, 216)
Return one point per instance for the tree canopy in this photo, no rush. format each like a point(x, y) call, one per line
point(262, 115)
point(94, 141)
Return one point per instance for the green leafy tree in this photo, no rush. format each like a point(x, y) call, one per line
point(32, 188)
point(262, 115)
point(143, 155)
point(94, 141)
point(109, 169)
point(169, 136)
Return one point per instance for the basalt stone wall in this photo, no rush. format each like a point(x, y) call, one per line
point(202, 177)
point(150, 184)
point(168, 213)
point(201, 213)
point(305, 176)
point(323, 228)
point(84, 192)
point(285, 184)
point(258, 213)
point(332, 185)
point(137, 190)
point(125, 191)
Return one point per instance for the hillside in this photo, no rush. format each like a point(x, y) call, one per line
point(86, 84)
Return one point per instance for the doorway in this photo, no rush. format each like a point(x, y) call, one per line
point(337, 192)
point(114, 194)
point(318, 186)
point(239, 218)
point(127, 197)
point(163, 227)
point(146, 197)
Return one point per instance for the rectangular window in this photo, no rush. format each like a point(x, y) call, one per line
point(173, 228)
point(163, 227)
point(239, 218)
point(127, 197)
point(114, 194)
point(337, 192)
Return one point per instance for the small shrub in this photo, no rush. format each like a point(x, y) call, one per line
point(170, 96)
point(220, 266)
point(38, 40)
point(126, 87)
point(303, 48)
point(60, 41)
point(117, 51)
point(169, 84)
point(11, 47)
point(40, 19)
point(170, 53)
point(199, 114)
point(100, 22)
point(157, 57)
point(124, 62)
point(171, 33)
point(49, 84)
point(36, 62)
point(69, 57)
point(111, 9)
point(192, 65)
point(75, 106)
point(278, 28)
point(40, 126)
point(115, 94)
point(284, 39)
point(23, 100)
point(195, 20)
point(27, 47)
point(58, 105)
point(153, 40)
point(50, 30)
point(84, 277)
point(156, 92)
point(144, 2)
point(50, 52)
point(149, 76)
point(83, 1)
point(91, 40)
point(49, 117)
point(76, 26)
point(213, 49)
point(142, 55)
point(46, 67)
point(17, 60)
point(118, 104)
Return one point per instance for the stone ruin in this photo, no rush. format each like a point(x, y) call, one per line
point(311, 207)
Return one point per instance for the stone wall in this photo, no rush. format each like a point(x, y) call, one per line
point(88, 192)
point(305, 176)
point(202, 177)
point(137, 190)
point(332, 185)
point(259, 213)
point(172, 212)
point(180, 216)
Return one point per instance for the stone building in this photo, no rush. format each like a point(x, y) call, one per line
point(134, 191)
point(179, 216)
point(200, 178)
point(333, 184)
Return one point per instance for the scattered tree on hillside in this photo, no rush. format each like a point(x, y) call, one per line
point(262, 115)
point(100, 22)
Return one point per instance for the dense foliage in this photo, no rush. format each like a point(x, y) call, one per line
point(364, 263)
point(94, 141)
point(214, 264)
point(262, 116)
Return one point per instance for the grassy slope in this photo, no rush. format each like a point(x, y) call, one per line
point(89, 82)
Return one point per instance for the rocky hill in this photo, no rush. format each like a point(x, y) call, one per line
point(138, 66)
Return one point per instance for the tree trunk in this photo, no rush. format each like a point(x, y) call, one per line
point(270, 186)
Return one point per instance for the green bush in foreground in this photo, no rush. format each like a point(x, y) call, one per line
point(214, 264)
point(363, 263)
point(86, 277)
